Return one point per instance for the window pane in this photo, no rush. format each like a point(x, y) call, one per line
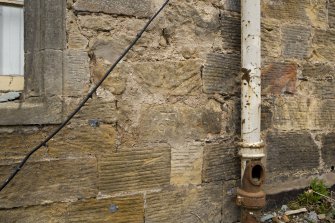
point(11, 40)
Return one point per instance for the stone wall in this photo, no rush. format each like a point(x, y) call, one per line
point(158, 141)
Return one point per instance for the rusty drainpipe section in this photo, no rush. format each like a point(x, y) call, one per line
point(250, 196)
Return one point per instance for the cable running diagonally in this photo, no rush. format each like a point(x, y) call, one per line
point(83, 102)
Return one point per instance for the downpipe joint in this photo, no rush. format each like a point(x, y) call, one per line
point(250, 196)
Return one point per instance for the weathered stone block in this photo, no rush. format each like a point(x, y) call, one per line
point(221, 162)
point(318, 71)
point(105, 111)
point(288, 9)
point(175, 123)
point(231, 33)
point(32, 26)
point(291, 151)
point(279, 78)
point(44, 70)
point(116, 210)
point(32, 66)
point(98, 23)
point(83, 141)
point(186, 205)
point(109, 49)
point(75, 39)
point(76, 73)
point(121, 7)
point(304, 113)
point(232, 5)
point(296, 41)
point(267, 114)
point(324, 37)
point(31, 112)
point(331, 13)
point(230, 211)
point(186, 164)
point(318, 81)
point(52, 71)
point(220, 73)
point(173, 78)
point(52, 213)
point(50, 181)
point(314, 12)
point(271, 46)
point(136, 169)
point(52, 19)
point(328, 150)
point(16, 144)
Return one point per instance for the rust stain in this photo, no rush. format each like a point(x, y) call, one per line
point(279, 78)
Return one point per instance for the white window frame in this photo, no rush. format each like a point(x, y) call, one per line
point(8, 82)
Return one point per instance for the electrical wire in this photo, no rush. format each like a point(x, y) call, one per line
point(83, 102)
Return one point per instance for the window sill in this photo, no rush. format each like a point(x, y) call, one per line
point(31, 112)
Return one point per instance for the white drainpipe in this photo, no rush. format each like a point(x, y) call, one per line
point(250, 196)
point(252, 145)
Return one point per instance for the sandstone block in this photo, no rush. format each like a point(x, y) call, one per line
point(220, 73)
point(52, 213)
point(318, 81)
point(270, 33)
point(279, 78)
point(187, 205)
point(175, 123)
point(186, 164)
point(232, 5)
point(135, 169)
point(116, 210)
point(50, 181)
point(328, 150)
point(231, 33)
point(75, 39)
point(169, 77)
point(331, 13)
point(76, 77)
point(221, 162)
point(289, 9)
point(291, 151)
point(304, 113)
point(84, 140)
point(296, 41)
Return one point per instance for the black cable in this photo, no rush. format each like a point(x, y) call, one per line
point(82, 103)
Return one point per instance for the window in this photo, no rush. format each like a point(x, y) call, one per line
point(11, 45)
point(41, 101)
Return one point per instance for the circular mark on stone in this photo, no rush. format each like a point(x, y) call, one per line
point(113, 208)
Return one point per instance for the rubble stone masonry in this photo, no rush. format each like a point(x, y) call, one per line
point(158, 141)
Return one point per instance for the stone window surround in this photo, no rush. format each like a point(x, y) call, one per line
point(44, 44)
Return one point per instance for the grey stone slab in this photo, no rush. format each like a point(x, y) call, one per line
point(122, 7)
point(52, 30)
point(52, 71)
